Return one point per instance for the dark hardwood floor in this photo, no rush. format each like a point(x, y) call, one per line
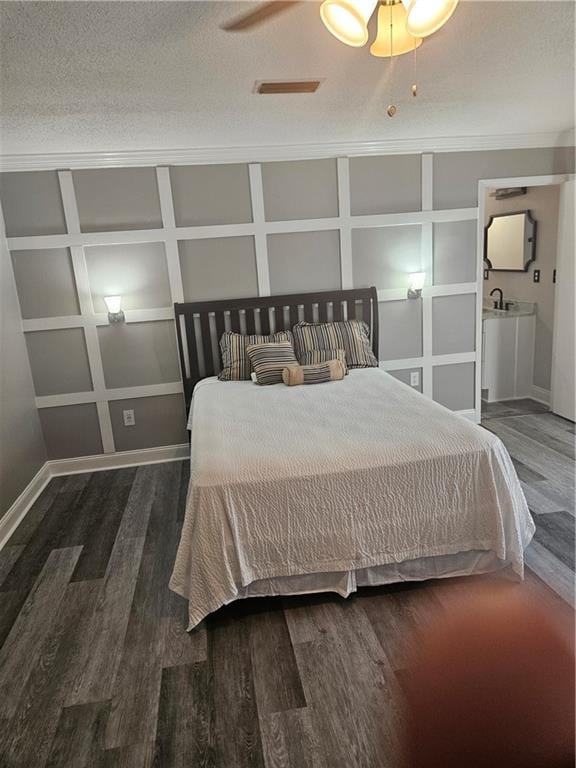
point(97, 670)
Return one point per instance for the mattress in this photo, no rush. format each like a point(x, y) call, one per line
point(323, 484)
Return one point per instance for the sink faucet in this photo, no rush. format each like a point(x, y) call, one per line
point(498, 304)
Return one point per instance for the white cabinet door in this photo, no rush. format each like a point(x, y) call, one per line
point(563, 396)
point(499, 358)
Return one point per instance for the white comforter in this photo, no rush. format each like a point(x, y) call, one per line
point(336, 477)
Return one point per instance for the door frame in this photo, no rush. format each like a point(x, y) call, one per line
point(483, 186)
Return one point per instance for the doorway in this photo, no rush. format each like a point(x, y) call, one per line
point(524, 228)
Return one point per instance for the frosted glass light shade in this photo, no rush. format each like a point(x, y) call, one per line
point(402, 40)
point(348, 19)
point(417, 280)
point(427, 16)
point(113, 303)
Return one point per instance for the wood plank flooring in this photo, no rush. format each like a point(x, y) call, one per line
point(542, 448)
point(96, 668)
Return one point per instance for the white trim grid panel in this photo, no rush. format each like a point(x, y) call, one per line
point(80, 271)
point(126, 237)
point(259, 228)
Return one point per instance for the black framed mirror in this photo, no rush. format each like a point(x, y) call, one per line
point(510, 242)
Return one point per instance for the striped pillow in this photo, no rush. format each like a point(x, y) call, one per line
point(353, 336)
point(269, 360)
point(236, 364)
point(317, 356)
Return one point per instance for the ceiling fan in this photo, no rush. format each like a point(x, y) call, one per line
point(401, 23)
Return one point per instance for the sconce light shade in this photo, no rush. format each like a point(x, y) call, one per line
point(427, 16)
point(113, 303)
point(402, 40)
point(348, 19)
point(416, 283)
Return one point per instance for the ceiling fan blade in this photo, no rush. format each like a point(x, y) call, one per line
point(259, 15)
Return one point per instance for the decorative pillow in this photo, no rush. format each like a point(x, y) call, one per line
point(353, 336)
point(316, 356)
point(236, 364)
point(269, 360)
point(332, 370)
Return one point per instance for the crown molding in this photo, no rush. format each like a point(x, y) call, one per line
point(253, 154)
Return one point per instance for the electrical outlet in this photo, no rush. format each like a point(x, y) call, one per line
point(536, 275)
point(129, 418)
point(414, 378)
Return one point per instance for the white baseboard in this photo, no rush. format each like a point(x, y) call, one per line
point(16, 513)
point(118, 460)
point(541, 395)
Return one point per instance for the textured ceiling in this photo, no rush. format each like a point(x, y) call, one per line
point(91, 76)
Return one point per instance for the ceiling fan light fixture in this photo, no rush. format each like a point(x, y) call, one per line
point(402, 40)
point(347, 20)
point(427, 16)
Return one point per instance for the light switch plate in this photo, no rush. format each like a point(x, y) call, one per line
point(129, 418)
point(414, 378)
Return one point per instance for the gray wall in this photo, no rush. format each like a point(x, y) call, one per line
point(22, 450)
point(543, 203)
point(143, 353)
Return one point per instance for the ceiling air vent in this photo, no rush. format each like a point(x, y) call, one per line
point(286, 86)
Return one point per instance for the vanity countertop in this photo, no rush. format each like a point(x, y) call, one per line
point(517, 309)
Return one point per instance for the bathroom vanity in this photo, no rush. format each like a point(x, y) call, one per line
point(508, 351)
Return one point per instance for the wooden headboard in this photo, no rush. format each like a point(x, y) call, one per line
point(200, 325)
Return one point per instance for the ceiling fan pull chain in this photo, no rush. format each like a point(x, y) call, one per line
point(415, 83)
point(391, 111)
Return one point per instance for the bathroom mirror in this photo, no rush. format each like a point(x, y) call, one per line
point(510, 242)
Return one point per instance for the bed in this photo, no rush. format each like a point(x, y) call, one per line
point(326, 488)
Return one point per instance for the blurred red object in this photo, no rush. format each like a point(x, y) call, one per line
point(492, 686)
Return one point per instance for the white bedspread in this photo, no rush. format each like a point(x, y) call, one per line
point(336, 477)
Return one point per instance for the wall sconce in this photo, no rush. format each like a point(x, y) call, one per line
point(115, 314)
point(416, 284)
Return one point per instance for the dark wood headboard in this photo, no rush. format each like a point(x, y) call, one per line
point(200, 325)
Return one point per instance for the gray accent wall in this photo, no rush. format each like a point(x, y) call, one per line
point(45, 283)
point(456, 174)
point(304, 261)
point(138, 354)
point(306, 189)
point(22, 447)
point(59, 361)
point(384, 256)
point(218, 268)
point(403, 375)
point(389, 184)
point(285, 235)
point(211, 194)
point(453, 324)
point(117, 199)
point(161, 421)
point(32, 204)
point(137, 272)
point(454, 252)
point(71, 430)
point(400, 333)
point(453, 385)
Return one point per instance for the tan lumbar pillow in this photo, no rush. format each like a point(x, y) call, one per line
point(331, 370)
